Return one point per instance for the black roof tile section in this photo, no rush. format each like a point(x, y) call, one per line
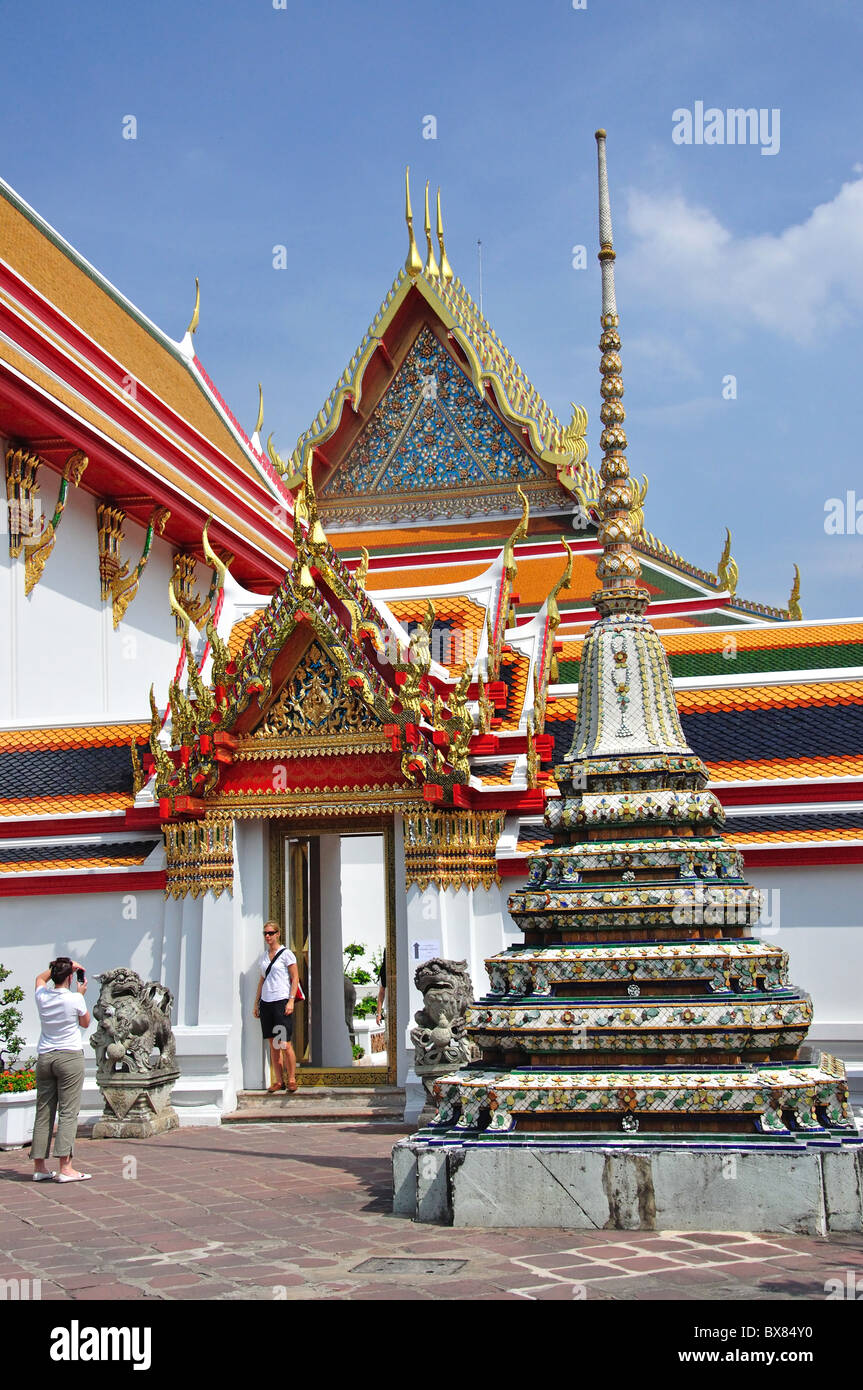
point(65, 772)
point(16, 854)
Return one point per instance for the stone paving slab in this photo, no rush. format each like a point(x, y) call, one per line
point(281, 1212)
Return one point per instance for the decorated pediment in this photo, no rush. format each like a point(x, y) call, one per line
point(432, 436)
point(317, 711)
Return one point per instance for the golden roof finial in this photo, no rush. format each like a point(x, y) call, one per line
point(727, 571)
point(519, 534)
point(413, 264)
point(193, 322)
point(445, 267)
point(259, 423)
point(795, 612)
point(620, 497)
point(430, 269)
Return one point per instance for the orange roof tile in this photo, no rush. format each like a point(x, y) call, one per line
point(561, 707)
point(95, 861)
point(777, 635)
point(464, 621)
point(784, 769)
point(65, 805)
point(241, 631)
point(758, 837)
point(84, 736)
point(770, 696)
point(422, 576)
point(520, 667)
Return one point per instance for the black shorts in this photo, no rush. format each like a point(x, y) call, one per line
point(275, 1023)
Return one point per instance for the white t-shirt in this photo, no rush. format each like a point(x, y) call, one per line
point(277, 985)
point(59, 1011)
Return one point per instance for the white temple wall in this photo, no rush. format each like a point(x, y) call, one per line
point(101, 930)
point(817, 917)
point(251, 900)
point(61, 661)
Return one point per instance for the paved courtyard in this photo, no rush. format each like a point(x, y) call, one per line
point(302, 1211)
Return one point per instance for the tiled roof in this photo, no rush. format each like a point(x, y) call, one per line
point(823, 693)
point(514, 670)
point(241, 631)
point(82, 736)
point(707, 651)
point(494, 774)
point(801, 738)
point(457, 630)
point(88, 804)
point(802, 820)
point(55, 772)
point(96, 861)
point(754, 638)
point(42, 858)
point(767, 837)
point(766, 770)
point(56, 271)
point(763, 734)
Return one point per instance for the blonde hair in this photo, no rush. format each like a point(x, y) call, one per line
point(276, 926)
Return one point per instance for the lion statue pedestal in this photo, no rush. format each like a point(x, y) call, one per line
point(135, 1057)
point(440, 1040)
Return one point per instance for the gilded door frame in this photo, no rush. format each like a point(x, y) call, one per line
point(290, 829)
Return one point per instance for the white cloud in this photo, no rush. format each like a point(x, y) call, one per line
point(807, 278)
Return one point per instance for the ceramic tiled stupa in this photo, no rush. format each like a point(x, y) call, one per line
point(640, 1006)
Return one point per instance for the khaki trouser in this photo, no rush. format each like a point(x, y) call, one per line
point(59, 1083)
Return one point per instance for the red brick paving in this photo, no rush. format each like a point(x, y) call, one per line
point(269, 1211)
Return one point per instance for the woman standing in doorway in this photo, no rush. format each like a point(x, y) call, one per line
point(274, 1006)
point(59, 1067)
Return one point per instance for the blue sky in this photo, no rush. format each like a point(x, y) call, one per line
point(260, 126)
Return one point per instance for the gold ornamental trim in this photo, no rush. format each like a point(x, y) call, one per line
point(317, 801)
point(200, 858)
point(452, 849)
point(262, 749)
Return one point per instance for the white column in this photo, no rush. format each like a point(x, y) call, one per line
point(336, 1042)
point(251, 903)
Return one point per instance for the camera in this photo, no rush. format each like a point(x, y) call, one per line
point(82, 975)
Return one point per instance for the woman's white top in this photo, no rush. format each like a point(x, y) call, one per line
point(277, 985)
point(59, 1011)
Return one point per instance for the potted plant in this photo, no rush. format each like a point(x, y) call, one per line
point(17, 1082)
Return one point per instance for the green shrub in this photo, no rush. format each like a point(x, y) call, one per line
point(11, 1043)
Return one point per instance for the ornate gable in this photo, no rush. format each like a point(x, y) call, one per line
point(432, 446)
point(316, 712)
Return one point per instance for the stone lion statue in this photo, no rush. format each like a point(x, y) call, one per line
point(134, 1023)
point(440, 1039)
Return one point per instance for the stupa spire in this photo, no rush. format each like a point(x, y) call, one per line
point(618, 568)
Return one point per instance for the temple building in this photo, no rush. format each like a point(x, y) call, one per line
point(336, 687)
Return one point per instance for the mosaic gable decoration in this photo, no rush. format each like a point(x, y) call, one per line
point(432, 433)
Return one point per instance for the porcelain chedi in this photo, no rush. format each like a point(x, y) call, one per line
point(640, 1000)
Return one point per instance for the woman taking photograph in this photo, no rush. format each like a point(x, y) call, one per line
point(59, 1067)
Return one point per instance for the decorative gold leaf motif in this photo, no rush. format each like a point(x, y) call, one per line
point(315, 701)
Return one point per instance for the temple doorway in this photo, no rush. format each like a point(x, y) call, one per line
point(333, 892)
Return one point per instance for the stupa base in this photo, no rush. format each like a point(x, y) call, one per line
point(773, 1183)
